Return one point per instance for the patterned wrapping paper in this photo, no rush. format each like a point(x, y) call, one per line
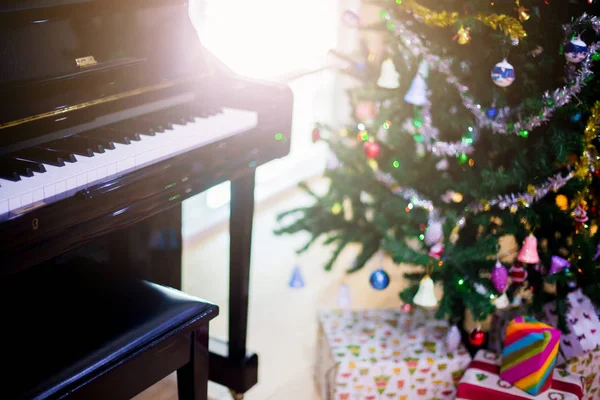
point(587, 365)
point(583, 323)
point(386, 354)
point(529, 355)
point(482, 381)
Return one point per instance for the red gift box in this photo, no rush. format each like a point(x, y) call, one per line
point(482, 381)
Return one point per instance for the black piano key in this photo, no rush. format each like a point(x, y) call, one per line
point(135, 126)
point(178, 117)
point(204, 111)
point(200, 112)
point(69, 146)
point(41, 156)
point(35, 166)
point(157, 121)
point(9, 166)
point(79, 141)
point(9, 175)
point(104, 142)
point(66, 156)
point(114, 135)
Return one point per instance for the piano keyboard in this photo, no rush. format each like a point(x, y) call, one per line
point(36, 176)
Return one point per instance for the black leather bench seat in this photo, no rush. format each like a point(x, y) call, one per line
point(61, 325)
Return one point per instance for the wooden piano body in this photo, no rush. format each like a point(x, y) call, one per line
point(78, 76)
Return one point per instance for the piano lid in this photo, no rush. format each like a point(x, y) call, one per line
point(60, 55)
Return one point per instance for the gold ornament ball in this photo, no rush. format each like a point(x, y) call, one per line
point(562, 202)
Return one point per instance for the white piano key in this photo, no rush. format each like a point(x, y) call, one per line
point(60, 189)
point(81, 180)
point(125, 165)
point(101, 172)
point(26, 198)
point(3, 207)
point(38, 195)
point(49, 191)
point(5, 191)
point(111, 170)
point(14, 203)
point(59, 182)
point(71, 183)
point(92, 176)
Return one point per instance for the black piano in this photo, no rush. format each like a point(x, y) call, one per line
point(112, 115)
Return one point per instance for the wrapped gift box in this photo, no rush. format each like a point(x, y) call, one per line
point(529, 355)
point(587, 365)
point(482, 381)
point(583, 324)
point(377, 354)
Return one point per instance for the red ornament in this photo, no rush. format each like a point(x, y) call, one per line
point(477, 337)
point(518, 273)
point(407, 307)
point(316, 135)
point(372, 149)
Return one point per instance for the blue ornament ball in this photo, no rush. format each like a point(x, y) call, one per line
point(492, 113)
point(379, 279)
point(576, 51)
point(576, 117)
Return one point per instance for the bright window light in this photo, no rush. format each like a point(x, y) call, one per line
point(219, 195)
point(268, 38)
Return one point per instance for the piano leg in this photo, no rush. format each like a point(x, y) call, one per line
point(230, 364)
point(240, 236)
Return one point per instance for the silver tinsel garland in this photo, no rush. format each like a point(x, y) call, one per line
point(503, 123)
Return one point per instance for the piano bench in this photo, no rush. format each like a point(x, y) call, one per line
point(79, 332)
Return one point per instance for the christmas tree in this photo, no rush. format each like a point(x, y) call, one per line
point(479, 123)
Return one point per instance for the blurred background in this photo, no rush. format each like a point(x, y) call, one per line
point(277, 41)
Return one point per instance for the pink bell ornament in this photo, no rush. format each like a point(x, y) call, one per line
point(558, 264)
point(528, 253)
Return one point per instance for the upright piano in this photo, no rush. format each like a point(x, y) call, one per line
point(112, 115)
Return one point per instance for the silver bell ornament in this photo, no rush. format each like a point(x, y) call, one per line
point(417, 93)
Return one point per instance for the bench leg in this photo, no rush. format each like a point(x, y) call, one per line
point(192, 378)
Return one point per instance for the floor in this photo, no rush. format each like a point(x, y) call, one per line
point(282, 321)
